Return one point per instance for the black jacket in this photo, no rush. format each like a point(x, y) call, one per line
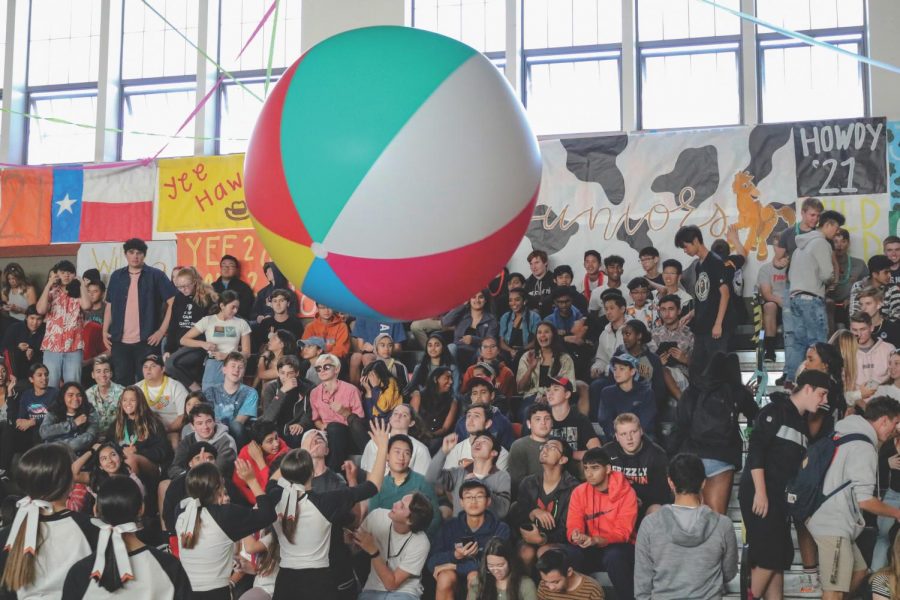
point(260, 308)
point(646, 471)
point(244, 292)
point(531, 488)
point(185, 314)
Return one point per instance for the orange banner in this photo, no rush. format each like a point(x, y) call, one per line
point(204, 250)
point(25, 206)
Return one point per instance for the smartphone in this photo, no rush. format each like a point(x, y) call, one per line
point(466, 540)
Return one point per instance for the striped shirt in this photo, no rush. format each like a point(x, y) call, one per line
point(588, 589)
point(891, 307)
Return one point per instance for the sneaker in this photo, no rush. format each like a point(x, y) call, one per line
point(780, 381)
point(809, 583)
point(769, 355)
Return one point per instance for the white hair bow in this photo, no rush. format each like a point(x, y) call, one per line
point(113, 534)
point(191, 507)
point(27, 516)
point(287, 506)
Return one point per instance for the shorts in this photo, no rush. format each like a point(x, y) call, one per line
point(715, 467)
point(839, 558)
point(769, 537)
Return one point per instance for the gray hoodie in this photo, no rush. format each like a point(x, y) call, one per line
point(856, 462)
point(221, 440)
point(684, 552)
point(811, 267)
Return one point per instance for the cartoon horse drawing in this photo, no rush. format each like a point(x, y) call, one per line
point(760, 219)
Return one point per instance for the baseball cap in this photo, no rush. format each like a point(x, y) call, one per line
point(380, 336)
point(313, 341)
point(624, 359)
point(563, 381)
point(156, 358)
point(480, 381)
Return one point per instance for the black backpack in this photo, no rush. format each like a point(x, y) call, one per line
point(804, 492)
point(713, 417)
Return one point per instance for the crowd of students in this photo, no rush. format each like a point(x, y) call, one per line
point(545, 432)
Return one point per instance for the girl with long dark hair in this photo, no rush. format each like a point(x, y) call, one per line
point(122, 565)
point(501, 575)
point(71, 420)
point(436, 406)
point(547, 359)
point(140, 433)
point(436, 355)
point(17, 292)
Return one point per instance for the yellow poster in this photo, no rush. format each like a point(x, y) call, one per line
point(200, 193)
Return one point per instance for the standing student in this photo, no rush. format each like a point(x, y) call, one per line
point(138, 310)
point(304, 556)
point(61, 302)
point(122, 565)
point(208, 526)
point(45, 539)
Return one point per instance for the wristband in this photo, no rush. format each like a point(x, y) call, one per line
point(375, 554)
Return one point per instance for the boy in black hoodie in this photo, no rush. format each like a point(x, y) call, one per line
point(643, 463)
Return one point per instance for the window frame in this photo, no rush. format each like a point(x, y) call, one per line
point(153, 85)
point(62, 91)
point(246, 77)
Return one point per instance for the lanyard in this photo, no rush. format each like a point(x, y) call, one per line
point(400, 551)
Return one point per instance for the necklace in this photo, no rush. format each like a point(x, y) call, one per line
point(402, 546)
point(158, 402)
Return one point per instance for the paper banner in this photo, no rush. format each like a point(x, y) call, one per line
point(893, 152)
point(25, 206)
point(108, 257)
point(202, 193)
point(840, 158)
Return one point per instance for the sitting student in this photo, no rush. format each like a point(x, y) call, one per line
point(542, 501)
point(286, 401)
point(593, 274)
point(203, 420)
point(525, 452)
point(310, 349)
point(559, 581)
point(872, 357)
point(108, 461)
point(402, 422)
point(501, 575)
point(396, 572)
point(224, 333)
point(685, 550)
point(518, 326)
point(174, 491)
point(707, 425)
point(437, 407)
point(333, 402)
point(105, 393)
point(540, 285)
point(194, 300)
point(141, 435)
point(34, 402)
point(641, 307)
point(629, 394)
point(234, 402)
point(771, 282)
point(476, 323)
point(611, 337)
point(436, 355)
point(649, 258)
point(331, 328)
point(563, 278)
point(489, 356)
point(459, 545)
point(673, 342)
point(164, 395)
point(572, 328)
point(880, 279)
point(548, 358)
point(601, 520)
point(45, 538)
point(871, 302)
point(671, 276)
point(642, 462)
point(208, 526)
point(401, 481)
point(300, 508)
point(381, 391)
point(363, 343)
point(482, 391)
point(281, 318)
point(264, 305)
point(635, 340)
point(483, 468)
point(615, 265)
point(22, 342)
point(70, 420)
point(478, 418)
point(568, 424)
point(384, 351)
point(265, 448)
point(281, 343)
point(122, 565)
point(891, 389)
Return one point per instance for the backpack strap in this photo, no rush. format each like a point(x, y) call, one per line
point(840, 441)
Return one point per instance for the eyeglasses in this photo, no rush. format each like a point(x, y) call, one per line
point(321, 368)
point(184, 287)
point(555, 447)
point(475, 498)
point(489, 346)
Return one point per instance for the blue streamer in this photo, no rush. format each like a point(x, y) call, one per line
point(805, 38)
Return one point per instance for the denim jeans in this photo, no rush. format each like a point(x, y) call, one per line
point(882, 542)
point(212, 373)
point(63, 364)
point(791, 359)
point(810, 326)
point(373, 595)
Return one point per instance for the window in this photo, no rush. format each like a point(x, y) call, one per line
point(572, 61)
point(2, 42)
point(64, 42)
point(238, 115)
point(689, 61)
point(150, 48)
point(803, 82)
point(159, 109)
point(478, 23)
point(54, 142)
point(238, 19)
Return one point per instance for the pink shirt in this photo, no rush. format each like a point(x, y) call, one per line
point(345, 394)
point(131, 331)
point(64, 323)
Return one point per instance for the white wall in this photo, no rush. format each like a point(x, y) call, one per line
point(884, 45)
point(321, 19)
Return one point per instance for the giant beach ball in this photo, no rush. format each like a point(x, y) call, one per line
point(392, 173)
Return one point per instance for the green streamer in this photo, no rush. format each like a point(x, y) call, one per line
point(272, 48)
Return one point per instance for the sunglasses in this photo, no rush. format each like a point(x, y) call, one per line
point(321, 368)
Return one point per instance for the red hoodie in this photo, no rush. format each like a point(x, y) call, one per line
point(611, 514)
point(262, 475)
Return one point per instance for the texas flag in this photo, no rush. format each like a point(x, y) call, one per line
point(65, 205)
point(118, 204)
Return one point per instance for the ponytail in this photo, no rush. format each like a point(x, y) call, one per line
point(204, 485)
point(296, 470)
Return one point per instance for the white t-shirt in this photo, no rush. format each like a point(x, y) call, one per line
point(226, 335)
point(596, 304)
point(463, 450)
point(407, 551)
point(166, 400)
point(890, 390)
